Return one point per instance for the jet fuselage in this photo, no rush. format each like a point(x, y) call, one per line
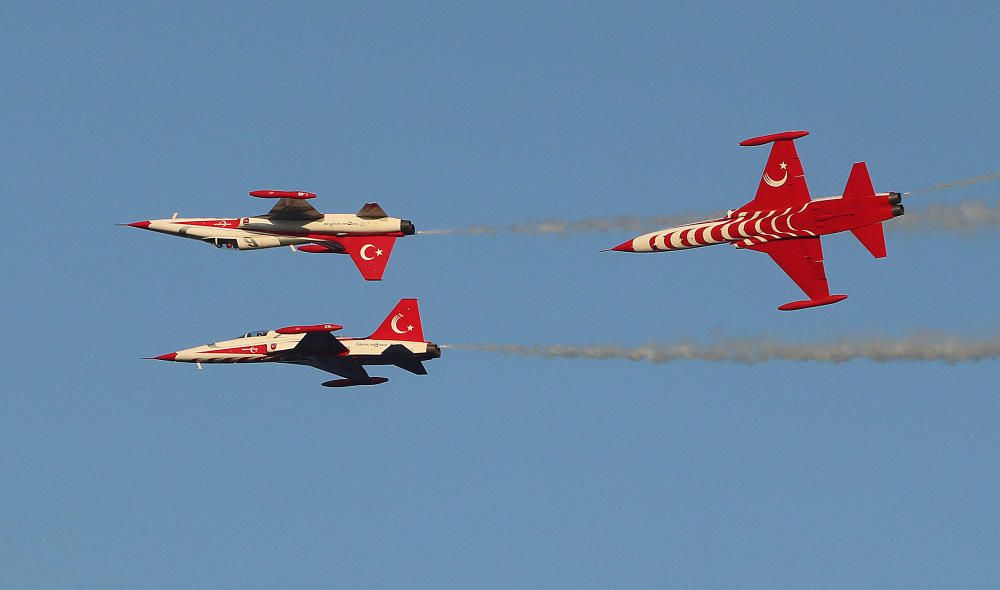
point(399, 340)
point(270, 346)
point(249, 233)
point(747, 228)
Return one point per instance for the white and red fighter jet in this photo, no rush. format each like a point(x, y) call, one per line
point(367, 236)
point(398, 341)
point(784, 223)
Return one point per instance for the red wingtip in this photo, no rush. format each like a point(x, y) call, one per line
point(139, 224)
point(164, 357)
point(624, 247)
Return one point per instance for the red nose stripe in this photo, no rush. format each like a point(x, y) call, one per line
point(166, 357)
point(140, 224)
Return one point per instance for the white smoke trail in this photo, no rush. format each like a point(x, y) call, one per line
point(572, 226)
point(967, 216)
point(749, 351)
point(958, 183)
point(964, 217)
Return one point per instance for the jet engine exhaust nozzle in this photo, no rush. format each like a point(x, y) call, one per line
point(895, 198)
point(898, 210)
point(434, 350)
point(406, 226)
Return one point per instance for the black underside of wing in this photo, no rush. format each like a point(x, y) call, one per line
point(293, 210)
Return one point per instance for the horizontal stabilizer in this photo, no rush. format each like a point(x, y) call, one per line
point(371, 211)
point(872, 237)
point(404, 358)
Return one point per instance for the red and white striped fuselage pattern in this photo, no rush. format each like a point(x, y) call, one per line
point(748, 228)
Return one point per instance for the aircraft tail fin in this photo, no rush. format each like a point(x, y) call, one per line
point(372, 211)
point(872, 237)
point(859, 183)
point(369, 253)
point(859, 186)
point(402, 323)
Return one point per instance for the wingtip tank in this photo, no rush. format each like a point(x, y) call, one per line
point(313, 328)
point(773, 137)
point(272, 194)
point(805, 304)
point(352, 382)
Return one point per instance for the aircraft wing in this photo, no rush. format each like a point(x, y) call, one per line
point(802, 260)
point(319, 343)
point(343, 366)
point(293, 210)
point(325, 352)
point(783, 183)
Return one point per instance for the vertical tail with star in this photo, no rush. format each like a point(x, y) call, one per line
point(402, 323)
point(369, 253)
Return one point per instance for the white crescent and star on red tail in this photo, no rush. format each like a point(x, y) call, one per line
point(364, 252)
point(777, 183)
point(395, 327)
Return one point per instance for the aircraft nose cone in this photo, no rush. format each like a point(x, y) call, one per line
point(624, 247)
point(139, 224)
point(406, 226)
point(165, 357)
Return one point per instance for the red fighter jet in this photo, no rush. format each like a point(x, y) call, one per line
point(784, 223)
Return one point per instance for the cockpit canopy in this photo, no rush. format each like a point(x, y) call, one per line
point(253, 334)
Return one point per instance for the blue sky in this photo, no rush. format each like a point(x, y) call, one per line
point(491, 471)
